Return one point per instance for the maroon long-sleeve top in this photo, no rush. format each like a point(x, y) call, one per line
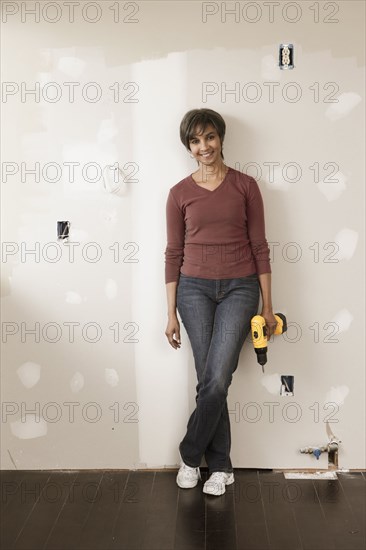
point(217, 234)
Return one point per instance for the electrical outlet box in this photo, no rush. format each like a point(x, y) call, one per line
point(287, 385)
point(63, 229)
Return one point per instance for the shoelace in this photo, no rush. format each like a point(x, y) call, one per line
point(218, 477)
point(191, 471)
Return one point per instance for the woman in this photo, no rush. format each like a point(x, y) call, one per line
point(216, 265)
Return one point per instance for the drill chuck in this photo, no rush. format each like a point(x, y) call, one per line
point(261, 356)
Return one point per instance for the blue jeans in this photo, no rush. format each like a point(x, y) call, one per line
point(216, 314)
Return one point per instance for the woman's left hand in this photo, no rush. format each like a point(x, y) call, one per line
point(271, 322)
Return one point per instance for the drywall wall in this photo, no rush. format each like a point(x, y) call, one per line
point(88, 379)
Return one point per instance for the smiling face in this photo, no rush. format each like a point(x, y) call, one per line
point(206, 145)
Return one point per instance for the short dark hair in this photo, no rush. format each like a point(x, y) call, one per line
point(199, 119)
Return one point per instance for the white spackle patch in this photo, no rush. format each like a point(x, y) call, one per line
point(337, 395)
point(346, 239)
point(343, 320)
point(77, 235)
point(277, 181)
point(107, 131)
point(77, 382)
point(72, 66)
point(270, 70)
point(45, 59)
point(346, 102)
point(108, 216)
point(332, 190)
point(110, 289)
point(92, 181)
point(113, 178)
point(29, 374)
point(272, 383)
point(111, 377)
point(29, 427)
point(73, 297)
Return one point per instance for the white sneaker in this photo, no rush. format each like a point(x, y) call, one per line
point(188, 477)
point(216, 483)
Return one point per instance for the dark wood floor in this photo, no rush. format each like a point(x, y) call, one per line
point(146, 510)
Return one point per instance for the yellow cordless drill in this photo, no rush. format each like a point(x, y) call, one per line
point(259, 335)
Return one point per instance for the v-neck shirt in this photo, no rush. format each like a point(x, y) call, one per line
point(216, 234)
point(209, 190)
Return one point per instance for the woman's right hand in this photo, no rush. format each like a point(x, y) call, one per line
point(173, 328)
